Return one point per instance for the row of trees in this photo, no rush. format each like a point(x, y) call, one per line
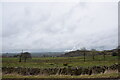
point(94, 51)
point(26, 55)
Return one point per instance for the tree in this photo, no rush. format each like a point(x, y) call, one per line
point(104, 53)
point(84, 52)
point(24, 56)
point(93, 53)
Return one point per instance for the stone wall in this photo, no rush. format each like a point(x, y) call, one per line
point(59, 71)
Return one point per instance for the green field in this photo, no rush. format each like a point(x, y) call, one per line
point(51, 62)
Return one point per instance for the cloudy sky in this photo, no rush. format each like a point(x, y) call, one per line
point(59, 26)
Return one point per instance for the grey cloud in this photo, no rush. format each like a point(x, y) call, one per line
point(59, 26)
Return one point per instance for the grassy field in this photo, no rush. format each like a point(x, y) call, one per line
point(50, 62)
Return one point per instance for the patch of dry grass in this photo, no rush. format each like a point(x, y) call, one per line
point(107, 74)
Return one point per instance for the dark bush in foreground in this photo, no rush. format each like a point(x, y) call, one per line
point(65, 64)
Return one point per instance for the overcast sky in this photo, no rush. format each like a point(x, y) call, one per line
point(59, 26)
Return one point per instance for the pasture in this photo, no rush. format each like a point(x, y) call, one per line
point(60, 62)
point(52, 62)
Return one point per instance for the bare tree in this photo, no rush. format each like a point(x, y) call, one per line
point(24, 56)
point(93, 53)
point(84, 52)
point(104, 53)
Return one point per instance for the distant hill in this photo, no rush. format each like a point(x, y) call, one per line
point(36, 54)
point(61, 54)
point(88, 52)
point(74, 53)
point(47, 54)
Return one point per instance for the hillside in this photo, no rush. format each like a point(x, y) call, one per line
point(88, 53)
